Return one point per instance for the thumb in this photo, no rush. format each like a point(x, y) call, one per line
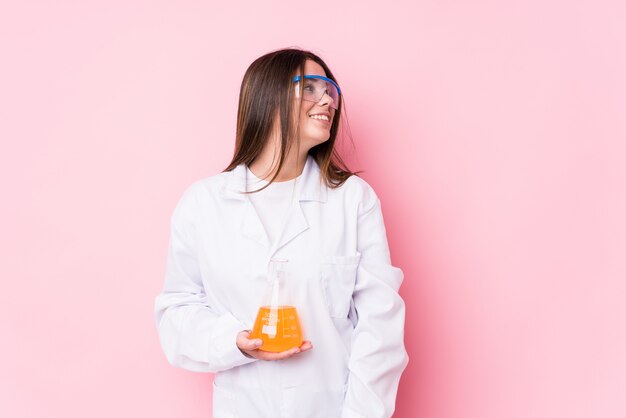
point(254, 344)
point(245, 343)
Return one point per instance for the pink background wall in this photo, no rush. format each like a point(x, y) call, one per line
point(493, 131)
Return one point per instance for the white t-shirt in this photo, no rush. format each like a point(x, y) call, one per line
point(272, 204)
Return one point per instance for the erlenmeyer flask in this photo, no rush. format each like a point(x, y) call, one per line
point(277, 323)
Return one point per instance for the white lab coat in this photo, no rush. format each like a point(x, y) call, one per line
point(342, 283)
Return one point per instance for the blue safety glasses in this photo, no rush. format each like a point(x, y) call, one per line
point(314, 88)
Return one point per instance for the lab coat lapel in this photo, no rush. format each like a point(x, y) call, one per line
point(308, 187)
point(251, 226)
point(295, 224)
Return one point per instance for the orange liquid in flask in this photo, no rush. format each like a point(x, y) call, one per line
point(278, 327)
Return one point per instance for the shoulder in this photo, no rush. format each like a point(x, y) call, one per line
point(200, 191)
point(359, 191)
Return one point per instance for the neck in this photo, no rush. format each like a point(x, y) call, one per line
point(266, 163)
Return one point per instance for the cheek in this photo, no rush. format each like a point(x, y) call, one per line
point(304, 117)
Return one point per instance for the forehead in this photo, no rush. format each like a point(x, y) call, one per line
point(312, 67)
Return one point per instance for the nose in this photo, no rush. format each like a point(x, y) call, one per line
point(326, 99)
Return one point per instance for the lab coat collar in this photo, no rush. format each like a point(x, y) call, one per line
point(308, 187)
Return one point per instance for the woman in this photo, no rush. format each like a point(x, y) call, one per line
point(286, 194)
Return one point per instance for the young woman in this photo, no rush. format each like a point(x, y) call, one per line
point(285, 195)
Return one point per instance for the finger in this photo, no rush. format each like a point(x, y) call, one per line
point(242, 336)
point(288, 353)
point(266, 355)
point(246, 343)
point(251, 344)
point(306, 345)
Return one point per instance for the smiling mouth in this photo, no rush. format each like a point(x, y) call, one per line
point(323, 119)
point(323, 122)
point(320, 116)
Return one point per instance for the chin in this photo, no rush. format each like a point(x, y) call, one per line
point(312, 142)
point(317, 141)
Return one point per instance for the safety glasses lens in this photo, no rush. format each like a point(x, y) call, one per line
point(313, 89)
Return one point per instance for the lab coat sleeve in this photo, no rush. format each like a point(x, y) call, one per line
point(378, 356)
point(192, 335)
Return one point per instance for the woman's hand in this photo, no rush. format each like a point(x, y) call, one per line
point(251, 348)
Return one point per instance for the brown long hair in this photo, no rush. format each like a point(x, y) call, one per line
point(267, 90)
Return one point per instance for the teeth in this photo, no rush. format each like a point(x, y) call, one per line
point(322, 117)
